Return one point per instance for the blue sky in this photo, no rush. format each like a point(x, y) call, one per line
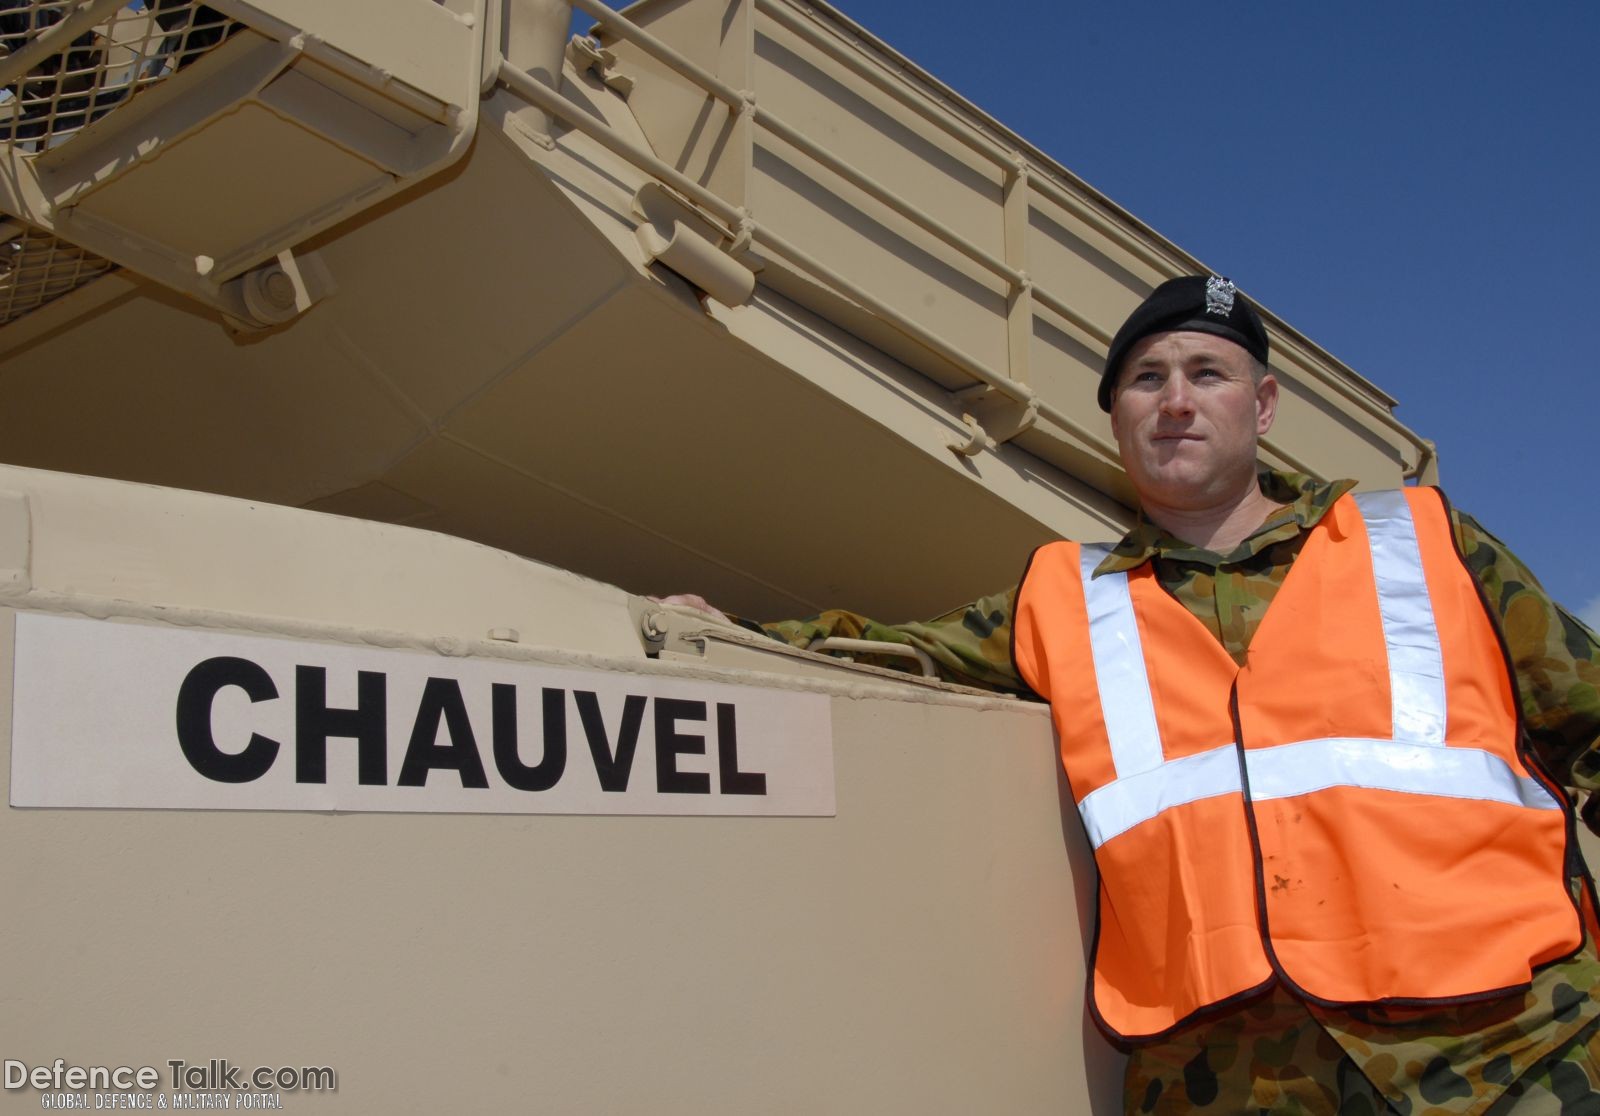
point(1414, 186)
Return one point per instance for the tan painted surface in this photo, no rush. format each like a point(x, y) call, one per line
point(920, 952)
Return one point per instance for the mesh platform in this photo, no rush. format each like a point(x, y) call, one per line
point(36, 267)
point(122, 50)
point(66, 64)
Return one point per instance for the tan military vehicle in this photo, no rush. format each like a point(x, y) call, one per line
point(364, 363)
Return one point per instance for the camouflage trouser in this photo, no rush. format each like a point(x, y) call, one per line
point(1304, 1071)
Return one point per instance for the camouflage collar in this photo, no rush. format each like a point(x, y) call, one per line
point(1305, 501)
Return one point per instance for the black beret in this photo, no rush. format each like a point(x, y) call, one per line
point(1204, 304)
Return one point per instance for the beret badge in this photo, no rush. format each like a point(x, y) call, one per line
point(1219, 295)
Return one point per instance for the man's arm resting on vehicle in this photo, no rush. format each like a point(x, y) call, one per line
point(970, 645)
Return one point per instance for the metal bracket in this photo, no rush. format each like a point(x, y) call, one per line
point(1426, 470)
point(992, 418)
point(675, 234)
point(278, 291)
point(585, 54)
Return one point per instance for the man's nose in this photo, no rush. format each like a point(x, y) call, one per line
point(1176, 396)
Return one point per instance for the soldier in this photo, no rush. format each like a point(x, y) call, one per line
point(1337, 864)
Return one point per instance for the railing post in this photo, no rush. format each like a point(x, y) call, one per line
point(736, 186)
point(1019, 301)
point(533, 38)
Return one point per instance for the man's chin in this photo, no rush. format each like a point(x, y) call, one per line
point(1182, 485)
point(1175, 477)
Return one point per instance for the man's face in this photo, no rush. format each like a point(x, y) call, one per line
point(1187, 413)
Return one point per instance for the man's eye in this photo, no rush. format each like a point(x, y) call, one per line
point(1208, 372)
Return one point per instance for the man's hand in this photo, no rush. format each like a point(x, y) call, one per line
point(698, 603)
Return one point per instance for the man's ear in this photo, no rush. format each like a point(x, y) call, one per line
point(1266, 403)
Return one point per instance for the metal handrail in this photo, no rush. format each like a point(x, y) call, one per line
point(542, 96)
point(662, 52)
point(876, 647)
point(737, 219)
point(1002, 155)
point(967, 363)
point(1015, 277)
point(744, 102)
point(1009, 161)
point(547, 99)
point(1041, 179)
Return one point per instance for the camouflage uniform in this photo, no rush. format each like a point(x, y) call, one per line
point(1535, 1052)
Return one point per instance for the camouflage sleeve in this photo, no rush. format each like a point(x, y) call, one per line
point(1556, 659)
point(970, 646)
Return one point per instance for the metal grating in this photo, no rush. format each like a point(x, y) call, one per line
point(36, 267)
point(132, 46)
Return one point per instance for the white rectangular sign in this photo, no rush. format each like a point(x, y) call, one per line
point(130, 715)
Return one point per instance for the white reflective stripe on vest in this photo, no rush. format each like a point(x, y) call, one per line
point(1125, 702)
point(1390, 765)
point(1303, 768)
point(1416, 667)
point(1117, 807)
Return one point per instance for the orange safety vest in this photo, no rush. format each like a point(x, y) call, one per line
point(1349, 812)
